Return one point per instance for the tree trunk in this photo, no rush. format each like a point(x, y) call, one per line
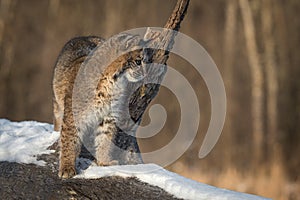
point(7, 51)
point(272, 79)
point(229, 56)
point(257, 78)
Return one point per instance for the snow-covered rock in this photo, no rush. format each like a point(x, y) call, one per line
point(22, 141)
point(171, 182)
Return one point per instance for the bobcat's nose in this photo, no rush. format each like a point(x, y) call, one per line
point(148, 54)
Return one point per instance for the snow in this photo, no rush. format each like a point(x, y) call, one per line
point(173, 183)
point(22, 141)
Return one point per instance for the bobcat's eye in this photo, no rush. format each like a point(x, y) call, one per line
point(138, 62)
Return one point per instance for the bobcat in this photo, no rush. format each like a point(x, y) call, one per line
point(102, 119)
point(110, 94)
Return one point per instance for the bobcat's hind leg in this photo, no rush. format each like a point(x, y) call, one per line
point(69, 150)
point(69, 142)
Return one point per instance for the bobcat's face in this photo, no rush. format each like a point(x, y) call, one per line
point(133, 67)
point(135, 71)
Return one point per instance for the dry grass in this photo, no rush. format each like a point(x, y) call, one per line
point(271, 183)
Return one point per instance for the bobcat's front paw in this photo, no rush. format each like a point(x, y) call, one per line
point(67, 172)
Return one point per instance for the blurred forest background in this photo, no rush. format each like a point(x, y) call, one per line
point(255, 44)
